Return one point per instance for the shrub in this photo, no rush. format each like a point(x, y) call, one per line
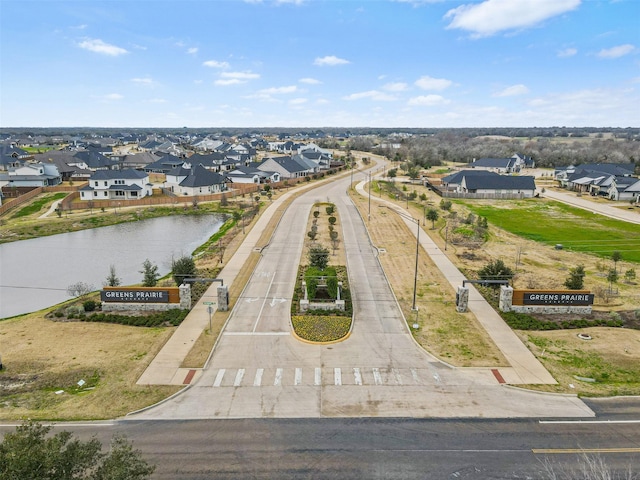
point(89, 306)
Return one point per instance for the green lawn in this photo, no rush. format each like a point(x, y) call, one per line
point(38, 204)
point(552, 223)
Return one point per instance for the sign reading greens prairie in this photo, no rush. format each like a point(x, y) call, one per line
point(556, 298)
point(135, 296)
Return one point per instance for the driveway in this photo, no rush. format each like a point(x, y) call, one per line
point(258, 369)
point(627, 213)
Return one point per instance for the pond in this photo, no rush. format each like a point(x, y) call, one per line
point(35, 274)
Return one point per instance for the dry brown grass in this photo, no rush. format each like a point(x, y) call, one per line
point(456, 338)
point(42, 357)
point(612, 358)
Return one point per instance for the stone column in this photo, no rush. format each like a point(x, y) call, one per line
point(506, 298)
point(185, 296)
point(304, 303)
point(462, 299)
point(223, 298)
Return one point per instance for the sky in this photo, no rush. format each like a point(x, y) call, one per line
point(320, 63)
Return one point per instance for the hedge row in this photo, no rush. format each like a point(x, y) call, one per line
point(172, 317)
point(522, 321)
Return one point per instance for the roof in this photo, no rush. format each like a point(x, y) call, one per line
point(129, 174)
point(493, 162)
point(499, 182)
point(201, 177)
point(457, 177)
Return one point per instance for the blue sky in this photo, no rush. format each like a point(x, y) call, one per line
point(320, 63)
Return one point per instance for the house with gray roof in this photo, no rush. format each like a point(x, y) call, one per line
point(485, 184)
point(31, 175)
point(194, 181)
point(287, 167)
point(625, 189)
point(128, 184)
point(497, 165)
point(252, 174)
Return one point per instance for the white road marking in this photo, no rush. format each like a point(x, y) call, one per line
point(239, 376)
point(255, 325)
point(256, 334)
point(317, 380)
point(357, 376)
point(298, 378)
point(219, 377)
point(278, 380)
point(437, 377)
point(258, 378)
point(396, 375)
point(337, 376)
point(377, 378)
point(414, 374)
point(275, 300)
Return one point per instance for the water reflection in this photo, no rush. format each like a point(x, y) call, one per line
point(35, 273)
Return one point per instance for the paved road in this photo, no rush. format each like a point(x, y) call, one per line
point(624, 214)
point(369, 448)
point(259, 370)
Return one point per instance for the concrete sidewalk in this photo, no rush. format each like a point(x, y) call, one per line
point(626, 214)
point(525, 367)
point(165, 368)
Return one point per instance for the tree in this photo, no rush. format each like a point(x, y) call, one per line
point(495, 270)
point(112, 279)
point(575, 280)
point(630, 275)
point(223, 200)
point(432, 214)
point(29, 453)
point(79, 289)
point(616, 256)
point(330, 209)
point(318, 257)
point(182, 268)
point(392, 173)
point(150, 273)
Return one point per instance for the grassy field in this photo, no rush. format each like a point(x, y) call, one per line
point(550, 222)
point(37, 205)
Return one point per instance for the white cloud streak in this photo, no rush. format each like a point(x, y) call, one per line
point(330, 61)
point(310, 81)
point(429, 83)
point(215, 64)
point(567, 52)
point(512, 91)
point(372, 94)
point(492, 16)
point(616, 52)
point(428, 101)
point(98, 46)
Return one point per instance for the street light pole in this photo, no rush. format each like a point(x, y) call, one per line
point(415, 275)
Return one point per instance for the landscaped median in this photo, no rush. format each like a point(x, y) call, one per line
point(321, 310)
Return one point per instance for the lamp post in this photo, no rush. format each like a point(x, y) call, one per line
point(415, 275)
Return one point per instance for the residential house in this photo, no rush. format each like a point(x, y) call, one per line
point(494, 186)
point(252, 174)
point(164, 164)
point(287, 167)
point(452, 182)
point(194, 181)
point(31, 175)
point(128, 184)
point(497, 165)
point(624, 189)
point(12, 157)
point(523, 161)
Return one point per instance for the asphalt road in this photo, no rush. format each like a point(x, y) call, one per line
point(371, 448)
point(259, 370)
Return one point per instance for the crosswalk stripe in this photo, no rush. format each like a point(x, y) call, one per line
point(396, 375)
point(298, 378)
point(278, 380)
point(357, 376)
point(317, 379)
point(239, 375)
point(258, 378)
point(219, 377)
point(377, 378)
point(337, 376)
point(414, 374)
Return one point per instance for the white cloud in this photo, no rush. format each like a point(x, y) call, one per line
point(429, 83)
point(297, 101)
point(278, 90)
point(227, 82)
point(417, 3)
point(310, 81)
point(113, 96)
point(215, 64)
point(395, 86)
point(372, 94)
point(512, 91)
point(567, 52)
point(428, 100)
point(146, 81)
point(330, 61)
point(98, 46)
point(192, 50)
point(616, 52)
point(240, 75)
point(493, 16)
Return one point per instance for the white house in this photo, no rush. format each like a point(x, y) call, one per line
point(126, 184)
point(31, 175)
point(194, 181)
